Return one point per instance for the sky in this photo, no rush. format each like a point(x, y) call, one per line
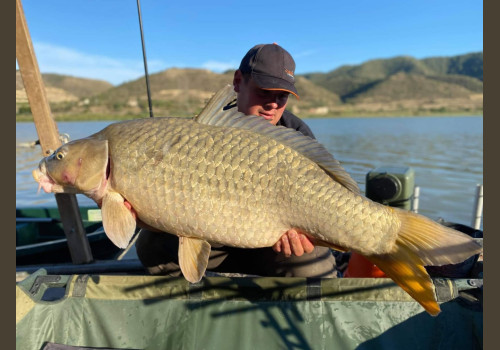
point(101, 39)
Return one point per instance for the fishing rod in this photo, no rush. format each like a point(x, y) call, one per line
point(145, 60)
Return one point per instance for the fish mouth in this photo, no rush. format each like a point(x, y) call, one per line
point(44, 180)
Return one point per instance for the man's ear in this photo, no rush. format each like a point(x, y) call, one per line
point(238, 77)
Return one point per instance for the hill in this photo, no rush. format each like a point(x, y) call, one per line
point(184, 92)
point(175, 92)
point(347, 81)
point(72, 87)
point(314, 99)
point(80, 87)
point(470, 65)
point(396, 86)
point(405, 85)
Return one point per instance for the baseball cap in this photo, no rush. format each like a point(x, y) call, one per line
point(271, 67)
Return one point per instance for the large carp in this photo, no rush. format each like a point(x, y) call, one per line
point(238, 180)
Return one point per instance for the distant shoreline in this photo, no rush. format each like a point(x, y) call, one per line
point(392, 114)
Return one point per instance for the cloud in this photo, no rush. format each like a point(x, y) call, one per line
point(305, 53)
point(68, 61)
point(219, 66)
point(63, 60)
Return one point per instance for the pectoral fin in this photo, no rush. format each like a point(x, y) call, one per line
point(193, 258)
point(118, 221)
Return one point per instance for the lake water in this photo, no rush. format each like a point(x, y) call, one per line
point(445, 152)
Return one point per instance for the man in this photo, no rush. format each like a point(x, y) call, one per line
point(263, 82)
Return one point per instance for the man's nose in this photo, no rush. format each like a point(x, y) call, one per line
point(273, 103)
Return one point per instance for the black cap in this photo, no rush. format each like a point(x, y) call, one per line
point(271, 67)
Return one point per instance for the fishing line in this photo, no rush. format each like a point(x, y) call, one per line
point(145, 60)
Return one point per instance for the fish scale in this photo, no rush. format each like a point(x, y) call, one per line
point(238, 177)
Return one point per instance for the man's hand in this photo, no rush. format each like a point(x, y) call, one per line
point(293, 242)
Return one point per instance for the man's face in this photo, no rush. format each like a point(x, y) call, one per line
point(269, 104)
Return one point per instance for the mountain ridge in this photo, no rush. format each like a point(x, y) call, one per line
point(401, 84)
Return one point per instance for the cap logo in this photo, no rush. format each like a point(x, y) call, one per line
point(289, 73)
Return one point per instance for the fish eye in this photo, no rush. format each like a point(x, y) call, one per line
point(59, 155)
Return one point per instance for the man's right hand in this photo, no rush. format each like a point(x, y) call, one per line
point(293, 242)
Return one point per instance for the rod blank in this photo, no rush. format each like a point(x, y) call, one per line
point(478, 208)
point(416, 198)
point(145, 60)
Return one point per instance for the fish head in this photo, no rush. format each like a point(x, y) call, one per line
point(78, 166)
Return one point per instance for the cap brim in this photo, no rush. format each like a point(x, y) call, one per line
point(266, 82)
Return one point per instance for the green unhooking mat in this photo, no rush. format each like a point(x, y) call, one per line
point(146, 312)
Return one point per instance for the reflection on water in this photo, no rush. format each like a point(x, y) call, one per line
point(445, 152)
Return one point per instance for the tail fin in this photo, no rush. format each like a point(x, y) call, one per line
point(423, 242)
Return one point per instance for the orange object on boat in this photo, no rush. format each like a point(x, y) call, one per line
point(359, 266)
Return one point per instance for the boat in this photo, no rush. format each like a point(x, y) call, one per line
point(80, 311)
point(115, 304)
point(40, 237)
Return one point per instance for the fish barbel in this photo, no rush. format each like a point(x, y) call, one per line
point(239, 181)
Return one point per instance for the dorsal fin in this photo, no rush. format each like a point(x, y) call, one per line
point(215, 114)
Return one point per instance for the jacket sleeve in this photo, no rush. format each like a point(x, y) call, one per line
point(290, 120)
